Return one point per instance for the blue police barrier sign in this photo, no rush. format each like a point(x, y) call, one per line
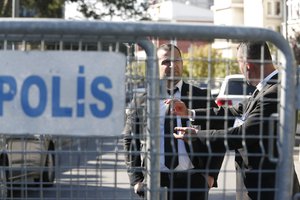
point(65, 93)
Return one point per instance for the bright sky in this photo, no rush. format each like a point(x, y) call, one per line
point(71, 11)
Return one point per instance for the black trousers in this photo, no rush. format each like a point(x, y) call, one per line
point(187, 185)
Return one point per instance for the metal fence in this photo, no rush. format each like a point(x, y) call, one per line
point(68, 166)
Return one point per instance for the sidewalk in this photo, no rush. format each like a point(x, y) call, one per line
point(297, 151)
point(226, 181)
point(227, 178)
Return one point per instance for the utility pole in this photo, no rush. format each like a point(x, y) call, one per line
point(285, 19)
point(15, 8)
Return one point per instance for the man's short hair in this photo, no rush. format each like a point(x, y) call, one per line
point(254, 50)
point(169, 47)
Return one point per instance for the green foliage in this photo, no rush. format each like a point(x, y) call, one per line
point(295, 43)
point(206, 62)
point(124, 9)
point(96, 9)
point(34, 8)
point(49, 8)
point(5, 8)
point(136, 73)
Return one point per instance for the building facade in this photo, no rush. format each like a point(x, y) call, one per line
point(292, 26)
point(252, 13)
point(181, 11)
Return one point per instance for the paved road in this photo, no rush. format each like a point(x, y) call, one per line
point(86, 169)
point(89, 169)
point(226, 182)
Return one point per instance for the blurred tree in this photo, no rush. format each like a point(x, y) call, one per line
point(295, 43)
point(5, 8)
point(124, 9)
point(95, 9)
point(49, 8)
point(34, 8)
point(202, 58)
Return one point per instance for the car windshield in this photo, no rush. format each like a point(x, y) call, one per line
point(236, 87)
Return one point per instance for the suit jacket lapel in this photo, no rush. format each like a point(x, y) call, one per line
point(272, 81)
point(185, 93)
point(253, 100)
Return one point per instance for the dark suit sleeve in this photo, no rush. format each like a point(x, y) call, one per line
point(256, 124)
point(219, 117)
point(214, 117)
point(204, 103)
point(132, 141)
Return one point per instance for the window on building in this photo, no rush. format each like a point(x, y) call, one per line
point(278, 8)
point(294, 10)
point(298, 9)
point(274, 8)
point(269, 8)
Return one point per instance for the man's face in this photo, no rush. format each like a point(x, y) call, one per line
point(242, 63)
point(170, 65)
point(244, 67)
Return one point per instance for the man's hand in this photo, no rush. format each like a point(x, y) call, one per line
point(185, 133)
point(178, 107)
point(210, 181)
point(139, 189)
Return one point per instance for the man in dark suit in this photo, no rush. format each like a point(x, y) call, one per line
point(184, 172)
point(250, 135)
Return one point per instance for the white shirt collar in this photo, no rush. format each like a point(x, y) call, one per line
point(179, 86)
point(262, 84)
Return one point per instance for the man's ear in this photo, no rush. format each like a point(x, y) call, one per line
point(249, 66)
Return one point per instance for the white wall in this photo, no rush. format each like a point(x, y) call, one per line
point(228, 12)
point(71, 11)
point(253, 13)
point(180, 12)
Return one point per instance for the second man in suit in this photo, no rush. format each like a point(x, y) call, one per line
point(250, 135)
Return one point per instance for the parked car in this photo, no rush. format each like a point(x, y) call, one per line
point(234, 89)
point(26, 160)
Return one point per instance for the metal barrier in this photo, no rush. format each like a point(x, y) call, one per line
point(93, 167)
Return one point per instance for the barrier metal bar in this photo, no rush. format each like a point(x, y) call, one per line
point(152, 122)
point(46, 27)
point(298, 87)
